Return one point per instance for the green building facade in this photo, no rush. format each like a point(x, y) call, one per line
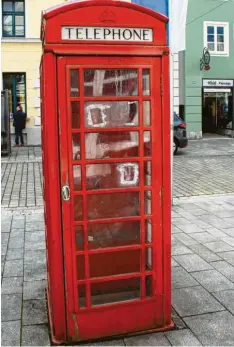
point(208, 92)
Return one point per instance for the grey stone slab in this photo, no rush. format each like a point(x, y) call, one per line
point(12, 285)
point(179, 323)
point(202, 225)
point(229, 240)
point(181, 278)
point(18, 223)
point(204, 252)
point(216, 232)
point(4, 243)
point(13, 268)
point(213, 281)
point(192, 262)
point(175, 230)
point(229, 231)
point(35, 226)
point(185, 239)
point(182, 338)
point(179, 248)
point(16, 231)
point(35, 335)
point(10, 333)
point(194, 300)
point(228, 256)
point(15, 254)
point(35, 240)
point(226, 297)
point(119, 342)
point(6, 227)
point(181, 221)
point(34, 265)
point(190, 228)
point(204, 237)
point(218, 246)
point(213, 329)
point(16, 240)
point(34, 290)
point(11, 307)
point(174, 263)
point(156, 339)
point(225, 268)
point(34, 312)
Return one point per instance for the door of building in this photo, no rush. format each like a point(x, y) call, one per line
point(111, 177)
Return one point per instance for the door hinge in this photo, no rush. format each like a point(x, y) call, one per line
point(161, 85)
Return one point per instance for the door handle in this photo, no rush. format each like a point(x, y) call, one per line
point(66, 193)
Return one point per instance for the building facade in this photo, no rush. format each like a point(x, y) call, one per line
point(208, 89)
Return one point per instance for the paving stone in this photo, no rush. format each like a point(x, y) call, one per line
point(179, 323)
point(218, 246)
point(192, 262)
point(35, 226)
point(213, 281)
point(229, 231)
point(216, 232)
point(35, 240)
point(16, 240)
point(226, 297)
point(34, 312)
point(12, 285)
point(18, 223)
point(4, 243)
point(175, 230)
point(185, 239)
point(118, 342)
point(181, 278)
point(182, 338)
point(156, 339)
point(179, 248)
point(35, 335)
point(229, 240)
point(228, 256)
point(15, 254)
point(225, 268)
point(34, 265)
point(174, 263)
point(13, 268)
point(11, 307)
point(10, 333)
point(190, 228)
point(6, 227)
point(194, 300)
point(213, 329)
point(204, 237)
point(204, 252)
point(34, 290)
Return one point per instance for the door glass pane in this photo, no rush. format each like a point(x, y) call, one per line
point(19, 6)
point(7, 20)
point(147, 172)
point(148, 259)
point(105, 176)
point(80, 267)
point(19, 20)
point(76, 146)
point(79, 235)
point(115, 263)
point(82, 295)
point(78, 208)
point(8, 6)
point(115, 291)
point(19, 30)
point(114, 234)
point(77, 177)
point(147, 143)
point(149, 286)
point(7, 30)
point(111, 114)
point(103, 145)
point(146, 113)
point(148, 202)
point(75, 114)
point(113, 205)
point(74, 83)
point(146, 82)
point(148, 231)
point(117, 82)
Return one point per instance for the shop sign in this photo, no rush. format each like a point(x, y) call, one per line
point(217, 83)
point(107, 34)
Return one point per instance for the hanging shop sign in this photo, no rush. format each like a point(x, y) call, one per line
point(205, 60)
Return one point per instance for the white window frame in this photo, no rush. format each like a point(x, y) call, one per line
point(225, 25)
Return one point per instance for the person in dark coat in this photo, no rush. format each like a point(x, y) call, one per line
point(19, 124)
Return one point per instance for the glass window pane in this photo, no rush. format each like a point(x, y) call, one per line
point(79, 235)
point(113, 205)
point(111, 114)
point(148, 202)
point(210, 30)
point(75, 114)
point(76, 146)
point(147, 143)
point(8, 6)
point(118, 82)
point(220, 47)
point(149, 286)
point(80, 267)
point(77, 177)
point(211, 47)
point(114, 234)
point(74, 83)
point(148, 259)
point(115, 263)
point(82, 295)
point(146, 81)
point(113, 144)
point(19, 6)
point(19, 30)
point(115, 291)
point(7, 20)
point(147, 173)
point(220, 38)
point(146, 113)
point(148, 231)
point(210, 38)
point(19, 20)
point(220, 30)
point(78, 208)
point(7, 30)
point(105, 176)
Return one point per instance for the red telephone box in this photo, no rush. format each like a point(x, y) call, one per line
point(106, 163)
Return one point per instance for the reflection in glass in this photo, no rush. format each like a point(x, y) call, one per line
point(75, 114)
point(114, 144)
point(147, 173)
point(149, 286)
point(117, 82)
point(114, 205)
point(148, 201)
point(148, 259)
point(74, 83)
point(105, 176)
point(81, 296)
point(146, 82)
point(77, 177)
point(146, 113)
point(111, 114)
point(19, 6)
point(8, 6)
point(148, 231)
point(78, 208)
point(79, 235)
point(80, 267)
point(147, 143)
point(115, 263)
point(115, 291)
point(76, 146)
point(114, 234)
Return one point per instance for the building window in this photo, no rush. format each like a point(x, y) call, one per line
point(16, 84)
point(13, 18)
point(216, 38)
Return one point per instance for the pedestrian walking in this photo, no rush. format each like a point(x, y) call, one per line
point(19, 124)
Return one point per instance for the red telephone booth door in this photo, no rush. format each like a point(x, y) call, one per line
point(111, 176)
